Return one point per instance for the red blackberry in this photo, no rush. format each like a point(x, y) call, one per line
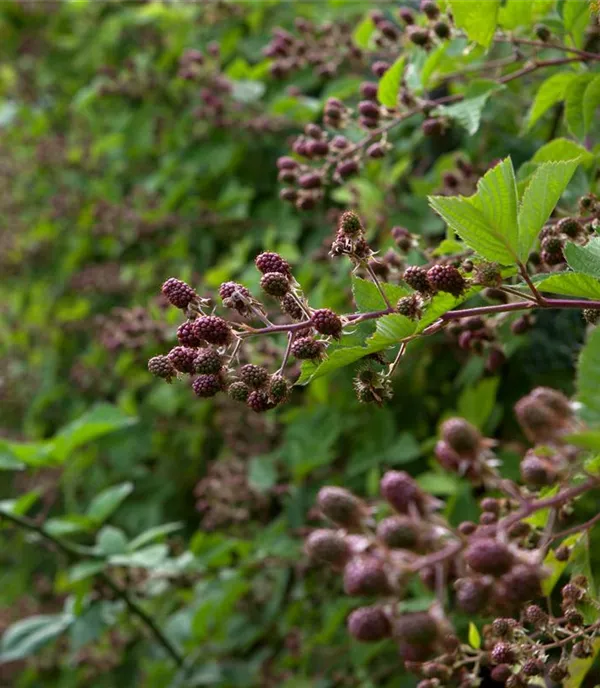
point(502, 653)
point(416, 628)
point(308, 348)
point(178, 293)
point(213, 329)
point(520, 584)
point(446, 278)
point(347, 168)
point(398, 532)
point(369, 624)
point(416, 278)
point(552, 251)
point(379, 68)
point(462, 437)
point(486, 555)
point(368, 90)
point(254, 376)
point(161, 366)
point(206, 385)
point(364, 576)
point(402, 237)
point(401, 491)
point(208, 362)
point(419, 35)
point(186, 335)
point(536, 615)
point(259, 401)
point(228, 289)
point(182, 358)
point(328, 546)
point(238, 391)
point(275, 284)
point(410, 306)
point(290, 306)
point(272, 262)
point(471, 595)
point(501, 673)
point(340, 506)
point(325, 321)
point(537, 472)
point(405, 13)
point(558, 673)
point(279, 389)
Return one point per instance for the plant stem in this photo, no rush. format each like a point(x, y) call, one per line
point(538, 297)
point(548, 46)
point(576, 529)
point(377, 283)
point(74, 554)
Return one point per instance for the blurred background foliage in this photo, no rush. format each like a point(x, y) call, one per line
point(116, 174)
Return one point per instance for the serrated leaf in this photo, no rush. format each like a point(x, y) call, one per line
point(363, 32)
point(551, 91)
point(433, 61)
point(389, 84)
point(570, 284)
point(478, 19)
point(574, 94)
point(27, 636)
point(591, 101)
point(108, 501)
point(588, 373)
point(562, 149)
point(367, 297)
point(339, 358)
point(474, 637)
point(515, 13)
point(390, 330)
point(111, 540)
point(154, 534)
point(539, 200)
point(468, 112)
point(584, 259)
point(555, 567)
point(576, 16)
point(578, 668)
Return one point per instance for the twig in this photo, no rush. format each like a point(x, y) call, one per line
point(538, 297)
point(377, 283)
point(548, 46)
point(576, 529)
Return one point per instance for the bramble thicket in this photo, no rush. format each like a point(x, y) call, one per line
point(300, 374)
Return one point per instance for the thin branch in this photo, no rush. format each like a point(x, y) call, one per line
point(584, 54)
point(377, 283)
point(538, 297)
point(576, 529)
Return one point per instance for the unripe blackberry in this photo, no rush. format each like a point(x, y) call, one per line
point(259, 401)
point(368, 108)
point(556, 401)
point(402, 237)
point(308, 349)
point(272, 262)
point(501, 673)
point(405, 13)
point(161, 366)
point(418, 35)
point(467, 527)
point(350, 224)
point(416, 277)
point(339, 142)
point(286, 163)
point(496, 358)
point(503, 653)
point(368, 90)
point(275, 284)
point(542, 32)
point(228, 289)
point(558, 673)
point(520, 584)
point(570, 226)
point(379, 68)
point(533, 667)
point(369, 624)
point(587, 202)
point(471, 595)
point(591, 315)
point(364, 576)
point(416, 628)
point(503, 627)
point(306, 202)
point(488, 275)
point(290, 306)
point(287, 176)
point(289, 195)
point(446, 278)
point(182, 358)
point(430, 9)
point(537, 472)
point(573, 617)
point(410, 307)
point(436, 670)
point(376, 151)
point(325, 321)
point(317, 149)
point(562, 553)
point(552, 250)
point(489, 556)
point(254, 376)
point(461, 435)
point(238, 391)
point(582, 650)
point(310, 180)
point(213, 329)
point(346, 168)
point(340, 506)
point(208, 362)
point(398, 532)
point(535, 615)
point(207, 385)
point(538, 421)
point(186, 335)
point(279, 389)
point(487, 518)
point(441, 29)
point(178, 293)
point(490, 504)
point(328, 546)
point(401, 491)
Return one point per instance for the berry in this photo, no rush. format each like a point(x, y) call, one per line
point(228, 289)
point(467, 527)
point(272, 262)
point(364, 576)
point(503, 627)
point(379, 68)
point(537, 472)
point(182, 358)
point(258, 401)
point(538, 421)
point(308, 348)
point(416, 278)
point(558, 673)
point(290, 306)
point(317, 149)
point(502, 653)
point(535, 615)
point(286, 163)
point(275, 284)
point(206, 385)
point(254, 376)
point(570, 226)
point(161, 366)
point(369, 624)
point(376, 151)
point(325, 321)
point(410, 307)
point(213, 329)
point(398, 532)
point(401, 491)
point(591, 315)
point(416, 628)
point(542, 32)
point(310, 180)
point(350, 224)
point(471, 595)
point(490, 504)
point(178, 293)
point(403, 238)
point(562, 553)
point(582, 650)
point(451, 180)
point(573, 617)
point(446, 278)
point(441, 29)
point(488, 275)
point(208, 362)
point(572, 592)
point(418, 35)
point(461, 436)
point(187, 336)
point(328, 546)
point(496, 358)
point(368, 108)
point(347, 168)
point(405, 13)
point(340, 506)
point(433, 126)
point(368, 90)
point(238, 391)
point(501, 673)
point(430, 9)
point(279, 388)
point(533, 667)
point(520, 584)
point(521, 325)
point(489, 556)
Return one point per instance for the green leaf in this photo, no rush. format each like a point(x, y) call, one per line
point(262, 473)
point(588, 373)
point(111, 540)
point(338, 358)
point(474, 637)
point(539, 200)
point(108, 501)
point(551, 91)
point(476, 403)
point(27, 636)
point(8, 460)
point(389, 84)
point(390, 330)
point(585, 259)
point(367, 297)
point(146, 558)
point(515, 13)
point(574, 113)
point(571, 284)
point(576, 16)
point(556, 567)
point(588, 439)
point(478, 19)
point(468, 112)
point(68, 525)
point(486, 221)
point(154, 534)
point(363, 32)
point(85, 569)
point(562, 149)
point(434, 59)
point(591, 101)
point(21, 505)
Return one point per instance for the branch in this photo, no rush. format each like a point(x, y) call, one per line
point(585, 55)
point(576, 529)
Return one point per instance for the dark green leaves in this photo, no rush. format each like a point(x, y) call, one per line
point(27, 636)
point(584, 259)
point(551, 91)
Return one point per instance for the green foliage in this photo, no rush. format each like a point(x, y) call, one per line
point(389, 84)
point(479, 21)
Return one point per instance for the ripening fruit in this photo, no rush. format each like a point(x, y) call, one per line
point(291, 307)
point(471, 595)
point(279, 388)
point(161, 366)
point(182, 358)
point(207, 385)
point(275, 284)
point(328, 546)
point(401, 491)
point(178, 293)
point(212, 329)
point(350, 224)
point(591, 315)
point(537, 472)
point(410, 307)
point(308, 348)
point(486, 555)
point(461, 436)
point(446, 278)
point(186, 335)
point(238, 391)
point(254, 376)
point(364, 576)
point(416, 277)
point(340, 506)
point(416, 628)
point(326, 322)
point(207, 362)
point(369, 624)
point(259, 401)
point(272, 262)
point(503, 653)
point(399, 532)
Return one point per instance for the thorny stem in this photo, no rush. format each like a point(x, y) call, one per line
point(74, 554)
